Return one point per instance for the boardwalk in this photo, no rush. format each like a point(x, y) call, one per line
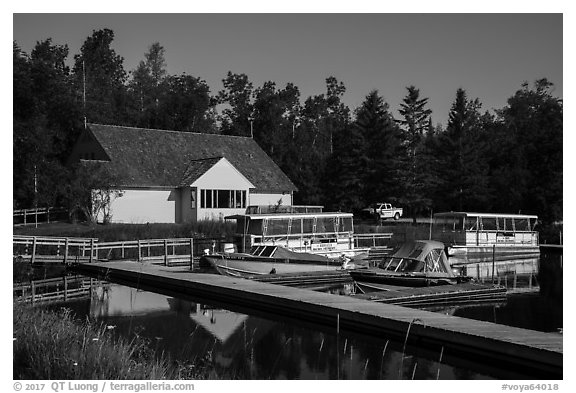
point(514, 347)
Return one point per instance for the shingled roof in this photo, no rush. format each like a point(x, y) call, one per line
point(142, 157)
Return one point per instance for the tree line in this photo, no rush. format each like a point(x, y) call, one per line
point(506, 161)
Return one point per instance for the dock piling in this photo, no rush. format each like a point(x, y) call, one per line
point(66, 251)
point(191, 254)
point(139, 251)
point(33, 290)
point(493, 260)
point(165, 252)
point(91, 250)
point(33, 249)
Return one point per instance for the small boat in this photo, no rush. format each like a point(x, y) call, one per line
point(268, 260)
point(418, 263)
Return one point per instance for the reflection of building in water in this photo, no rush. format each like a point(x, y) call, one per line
point(118, 300)
point(122, 301)
point(219, 323)
point(186, 329)
point(512, 273)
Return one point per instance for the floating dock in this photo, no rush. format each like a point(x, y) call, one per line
point(526, 351)
point(464, 293)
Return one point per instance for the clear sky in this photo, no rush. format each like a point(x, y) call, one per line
point(489, 55)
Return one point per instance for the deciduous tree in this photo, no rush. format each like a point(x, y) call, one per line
point(99, 75)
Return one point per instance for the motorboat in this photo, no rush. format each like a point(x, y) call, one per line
point(416, 263)
point(268, 260)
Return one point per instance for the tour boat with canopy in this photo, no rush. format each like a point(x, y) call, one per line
point(474, 234)
point(292, 239)
point(303, 229)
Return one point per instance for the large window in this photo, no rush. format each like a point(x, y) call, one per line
point(223, 199)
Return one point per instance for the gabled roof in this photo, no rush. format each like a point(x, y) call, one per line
point(142, 157)
point(197, 168)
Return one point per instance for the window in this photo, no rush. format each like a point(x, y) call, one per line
point(471, 223)
point(192, 198)
point(223, 199)
point(489, 223)
point(522, 224)
point(434, 261)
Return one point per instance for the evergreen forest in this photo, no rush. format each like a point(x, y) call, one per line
point(508, 160)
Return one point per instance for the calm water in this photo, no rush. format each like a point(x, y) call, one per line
point(536, 299)
point(233, 344)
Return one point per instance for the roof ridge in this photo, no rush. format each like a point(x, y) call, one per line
point(172, 131)
point(207, 158)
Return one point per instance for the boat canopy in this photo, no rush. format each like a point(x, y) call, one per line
point(458, 221)
point(296, 224)
point(418, 256)
point(290, 209)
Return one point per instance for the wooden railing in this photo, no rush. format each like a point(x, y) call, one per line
point(38, 215)
point(67, 250)
point(147, 249)
point(53, 289)
point(53, 249)
point(364, 240)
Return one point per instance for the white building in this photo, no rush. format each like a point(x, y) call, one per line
point(176, 177)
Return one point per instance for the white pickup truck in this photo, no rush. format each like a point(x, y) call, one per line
point(383, 211)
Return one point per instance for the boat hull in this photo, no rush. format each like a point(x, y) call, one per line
point(498, 249)
point(369, 279)
point(248, 267)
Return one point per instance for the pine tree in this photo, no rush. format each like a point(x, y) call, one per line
point(414, 173)
point(462, 148)
point(364, 167)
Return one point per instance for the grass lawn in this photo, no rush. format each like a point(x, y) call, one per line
point(118, 232)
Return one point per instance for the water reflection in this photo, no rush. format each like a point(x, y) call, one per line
point(534, 291)
point(512, 273)
point(248, 347)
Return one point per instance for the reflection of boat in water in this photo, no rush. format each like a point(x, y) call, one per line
point(267, 260)
point(472, 234)
point(510, 271)
point(418, 263)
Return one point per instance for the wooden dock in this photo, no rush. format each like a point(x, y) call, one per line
point(435, 295)
point(534, 353)
point(552, 247)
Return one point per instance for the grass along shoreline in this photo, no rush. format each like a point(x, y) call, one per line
point(53, 345)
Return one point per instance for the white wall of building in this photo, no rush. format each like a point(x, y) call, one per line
point(137, 206)
point(142, 206)
point(222, 176)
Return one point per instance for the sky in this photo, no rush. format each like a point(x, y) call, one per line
point(488, 55)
